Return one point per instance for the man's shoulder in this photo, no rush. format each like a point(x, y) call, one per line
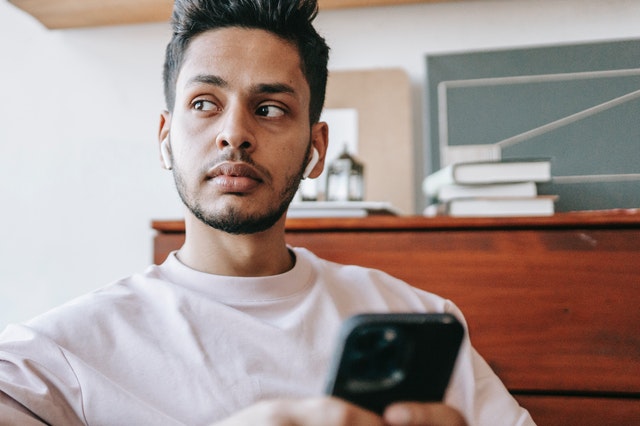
point(372, 287)
point(86, 314)
point(346, 269)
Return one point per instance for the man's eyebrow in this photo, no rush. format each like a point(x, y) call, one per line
point(261, 88)
point(273, 88)
point(210, 79)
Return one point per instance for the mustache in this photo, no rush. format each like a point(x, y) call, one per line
point(236, 156)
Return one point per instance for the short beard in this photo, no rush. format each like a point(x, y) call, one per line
point(233, 220)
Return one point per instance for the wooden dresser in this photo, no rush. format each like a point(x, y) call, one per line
point(553, 303)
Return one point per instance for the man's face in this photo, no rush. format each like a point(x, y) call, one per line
point(240, 131)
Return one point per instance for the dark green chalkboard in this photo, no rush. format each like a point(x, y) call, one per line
point(576, 104)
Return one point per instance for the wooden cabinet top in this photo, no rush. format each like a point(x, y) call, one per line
point(590, 219)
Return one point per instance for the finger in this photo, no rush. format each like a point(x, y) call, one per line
point(422, 414)
point(332, 411)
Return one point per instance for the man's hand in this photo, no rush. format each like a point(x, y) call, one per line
point(329, 411)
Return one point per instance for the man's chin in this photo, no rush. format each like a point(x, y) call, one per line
point(240, 223)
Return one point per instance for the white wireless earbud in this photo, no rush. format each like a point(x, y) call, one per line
point(315, 156)
point(166, 155)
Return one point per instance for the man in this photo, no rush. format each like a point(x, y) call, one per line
point(235, 327)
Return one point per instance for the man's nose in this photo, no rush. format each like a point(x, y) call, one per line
point(237, 129)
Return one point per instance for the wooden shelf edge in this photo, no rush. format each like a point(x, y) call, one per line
point(64, 14)
point(622, 218)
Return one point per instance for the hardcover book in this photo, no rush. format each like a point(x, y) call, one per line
point(499, 207)
point(517, 189)
point(488, 172)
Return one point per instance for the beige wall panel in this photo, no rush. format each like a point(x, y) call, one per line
point(385, 143)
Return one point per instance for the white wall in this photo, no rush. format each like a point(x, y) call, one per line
point(79, 174)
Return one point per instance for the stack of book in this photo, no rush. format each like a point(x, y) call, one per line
point(490, 189)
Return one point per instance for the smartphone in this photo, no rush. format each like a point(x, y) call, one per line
point(383, 358)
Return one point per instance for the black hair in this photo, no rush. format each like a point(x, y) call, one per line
point(290, 20)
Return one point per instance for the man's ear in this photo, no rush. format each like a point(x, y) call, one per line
point(163, 135)
point(165, 125)
point(319, 141)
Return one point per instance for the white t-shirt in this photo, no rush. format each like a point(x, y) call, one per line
point(177, 346)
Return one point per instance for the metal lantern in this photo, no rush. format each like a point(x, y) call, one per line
point(345, 178)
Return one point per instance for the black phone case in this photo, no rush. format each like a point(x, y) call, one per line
point(382, 358)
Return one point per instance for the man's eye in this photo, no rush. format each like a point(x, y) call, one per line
point(270, 111)
point(203, 105)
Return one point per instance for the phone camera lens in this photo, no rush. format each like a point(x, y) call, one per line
point(378, 358)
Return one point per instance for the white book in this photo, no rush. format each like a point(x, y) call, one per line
point(488, 172)
point(518, 189)
point(500, 207)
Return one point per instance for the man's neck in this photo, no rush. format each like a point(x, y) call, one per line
point(252, 255)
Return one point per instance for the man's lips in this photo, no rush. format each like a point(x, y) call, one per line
point(234, 177)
